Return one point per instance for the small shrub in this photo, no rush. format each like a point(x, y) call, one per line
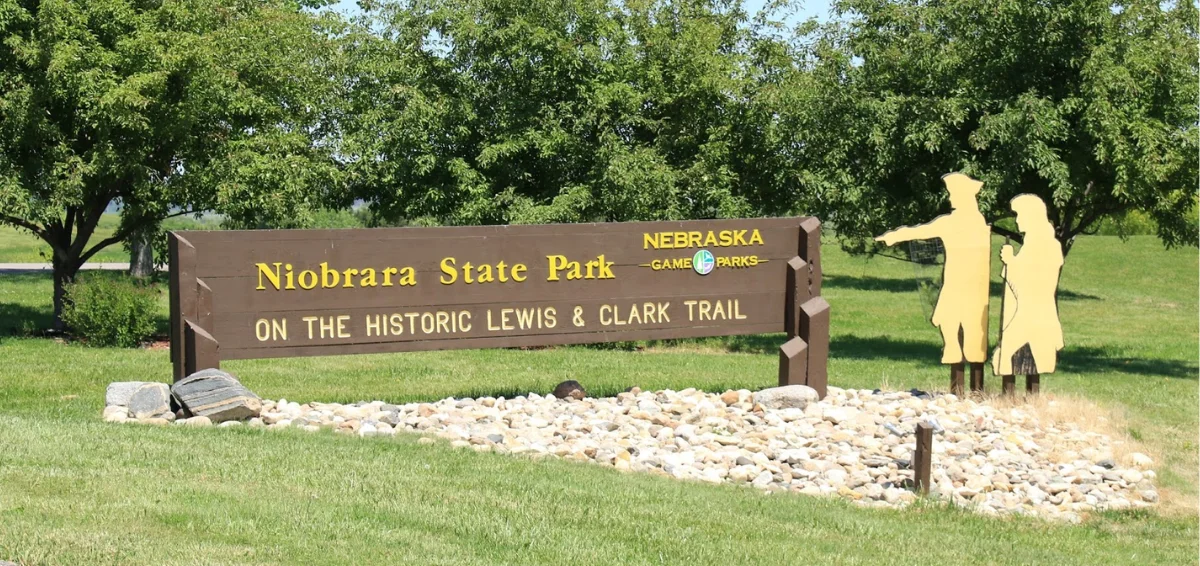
point(107, 311)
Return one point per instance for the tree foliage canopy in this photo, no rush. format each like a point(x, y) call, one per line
point(165, 107)
point(494, 111)
point(1091, 105)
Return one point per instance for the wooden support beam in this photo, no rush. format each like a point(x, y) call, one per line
point(797, 294)
point(956, 379)
point(814, 330)
point(922, 462)
point(202, 350)
point(1010, 385)
point(976, 377)
point(182, 271)
point(793, 362)
point(1033, 383)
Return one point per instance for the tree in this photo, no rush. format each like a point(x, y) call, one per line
point(167, 108)
point(518, 111)
point(1089, 104)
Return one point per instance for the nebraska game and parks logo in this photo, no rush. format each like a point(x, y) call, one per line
point(703, 262)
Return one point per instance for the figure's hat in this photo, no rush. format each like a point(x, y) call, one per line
point(958, 183)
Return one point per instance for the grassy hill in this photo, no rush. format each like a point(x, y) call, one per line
point(76, 490)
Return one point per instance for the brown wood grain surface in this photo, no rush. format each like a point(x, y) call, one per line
point(235, 298)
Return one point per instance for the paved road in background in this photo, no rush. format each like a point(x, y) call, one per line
point(35, 267)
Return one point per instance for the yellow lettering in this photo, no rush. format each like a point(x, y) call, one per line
point(312, 279)
point(373, 326)
point(517, 270)
point(262, 329)
point(346, 275)
point(273, 278)
point(325, 273)
point(756, 237)
point(649, 240)
point(485, 274)
point(662, 313)
point(557, 263)
point(694, 239)
point(387, 276)
point(605, 315)
point(464, 321)
point(690, 304)
point(341, 326)
point(711, 239)
point(705, 307)
point(450, 275)
point(726, 238)
point(551, 315)
point(309, 320)
point(408, 277)
point(367, 278)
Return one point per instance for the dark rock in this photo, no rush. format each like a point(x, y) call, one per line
point(150, 400)
point(217, 395)
point(918, 393)
point(569, 389)
point(1107, 463)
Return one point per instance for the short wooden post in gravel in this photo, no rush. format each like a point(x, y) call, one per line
point(923, 458)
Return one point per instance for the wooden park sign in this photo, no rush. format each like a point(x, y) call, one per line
point(283, 293)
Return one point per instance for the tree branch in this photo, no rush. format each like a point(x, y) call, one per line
point(37, 230)
point(122, 235)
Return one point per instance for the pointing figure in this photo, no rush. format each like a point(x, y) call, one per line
point(963, 302)
point(1031, 280)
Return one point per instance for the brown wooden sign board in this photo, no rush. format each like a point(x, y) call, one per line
point(282, 293)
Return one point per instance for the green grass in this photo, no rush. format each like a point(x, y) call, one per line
point(77, 490)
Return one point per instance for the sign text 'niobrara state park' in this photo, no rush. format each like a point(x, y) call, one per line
point(316, 292)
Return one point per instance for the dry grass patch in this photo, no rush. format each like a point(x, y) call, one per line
point(1051, 409)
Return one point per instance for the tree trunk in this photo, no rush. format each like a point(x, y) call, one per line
point(64, 274)
point(141, 256)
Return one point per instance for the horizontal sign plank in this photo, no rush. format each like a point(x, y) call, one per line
point(279, 293)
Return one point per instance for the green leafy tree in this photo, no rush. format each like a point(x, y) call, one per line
point(519, 111)
point(1089, 104)
point(167, 108)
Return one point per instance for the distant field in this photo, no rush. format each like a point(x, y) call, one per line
point(20, 246)
point(75, 490)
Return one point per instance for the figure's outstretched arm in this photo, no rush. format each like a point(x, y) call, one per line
point(906, 233)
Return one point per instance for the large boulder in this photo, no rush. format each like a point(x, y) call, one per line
point(150, 400)
point(119, 392)
point(217, 395)
point(786, 397)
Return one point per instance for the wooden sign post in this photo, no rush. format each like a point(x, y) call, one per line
point(283, 293)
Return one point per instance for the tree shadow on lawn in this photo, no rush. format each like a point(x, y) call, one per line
point(23, 320)
point(890, 285)
point(1074, 359)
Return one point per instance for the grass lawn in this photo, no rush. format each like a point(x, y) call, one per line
point(77, 490)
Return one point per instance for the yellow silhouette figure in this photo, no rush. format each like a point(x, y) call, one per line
point(1031, 281)
point(963, 302)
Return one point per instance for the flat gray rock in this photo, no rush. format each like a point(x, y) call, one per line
point(119, 392)
point(786, 397)
point(150, 400)
point(217, 395)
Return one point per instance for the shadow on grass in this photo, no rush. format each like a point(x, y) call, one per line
point(1095, 360)
point(890, 285)
point(23, 320)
